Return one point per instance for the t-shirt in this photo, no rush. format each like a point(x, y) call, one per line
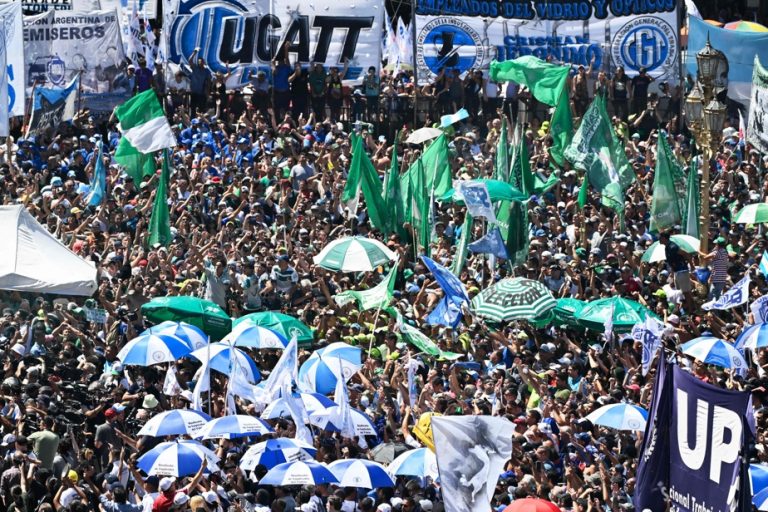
point(284, 279)
point(280, 77)
point(45, 443)
point(640, 86)
point(674, 259)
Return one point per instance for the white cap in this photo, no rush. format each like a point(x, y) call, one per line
point(166, 483)
point(210, 497)
point(426, 505)
point(181, 498)
point(19, 349)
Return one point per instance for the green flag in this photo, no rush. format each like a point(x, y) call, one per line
point(377, 297)
point(548, 84)
point(691, 213)
point(596, 150)
point(583, 193)
point(136, 165)
point(521, 175)
point(393, 195)
point(437, 166)
point(160, 221)
point(420, 340)
point(421, 213)
point(363, 176)
point(665, 208)
point(501, 172)
point(461, 250)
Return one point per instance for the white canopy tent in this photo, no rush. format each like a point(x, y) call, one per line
point(33, 260)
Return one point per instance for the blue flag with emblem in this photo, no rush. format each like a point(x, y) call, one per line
point(491, 243)
point(99, 180)
point(476, 197)
point(736, 296)
point(448, 311)
point(764, 264)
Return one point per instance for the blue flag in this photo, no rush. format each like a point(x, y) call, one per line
point(448, 310)
point(491, 243)
point(51, 107)
point(764, 264)
point(99, 179)
point(736, 296)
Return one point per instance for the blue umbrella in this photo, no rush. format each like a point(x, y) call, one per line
point(194, 337)
point(313, 403)
point(225, 358)
point(149, 349)
point(753, 337)
point(760, 500)
point(175, 422)
point(255, 336)
point(320, 371)
point(299, 473)
point(325, 420)
point(715, 351)
point(234, 426)
point(620, 416)
point(272, 452)
point(177, 458)
point(361, 473)
point(420, 462)
point(758, 477)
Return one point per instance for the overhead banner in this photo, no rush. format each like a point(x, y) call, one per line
point(469, 35)
point(248, 34)
point(65, 45)
point(757, 123)
point(13, 47)
point(51, 107)
point(38, 6)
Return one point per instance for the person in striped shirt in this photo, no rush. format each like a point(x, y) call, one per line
point(719, 259)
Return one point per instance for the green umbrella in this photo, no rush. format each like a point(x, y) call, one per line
point(514, 299)
point(656, 252)
point(566, 310)
point(497, 189)
point(354, 254)
point(752, 214)
point(626, 313)
point(201, 313)
point(286, 325)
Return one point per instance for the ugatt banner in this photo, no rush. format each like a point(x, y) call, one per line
point(608, 33)
point(247, 34)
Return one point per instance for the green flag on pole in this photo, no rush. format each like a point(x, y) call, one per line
point(665, 207)
point(393, 195)
point(363, 176)
point(437, 168)
point(377, 297)
point(160, 220)
point(421, 212)
point(583, 193)
point(501, 172)
point(692, 199)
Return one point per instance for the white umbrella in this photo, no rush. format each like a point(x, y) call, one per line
point(326, 419)
point(177, 458)
point(175, 422)
point(314, 403)
point(250, 335)
point(272, 452)
point(234, 426)
point(422, 135)
point(361, 473)
point(354, 254)
point(299, 473)
point(419, 462)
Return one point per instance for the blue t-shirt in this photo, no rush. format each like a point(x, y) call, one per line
point(280, 76)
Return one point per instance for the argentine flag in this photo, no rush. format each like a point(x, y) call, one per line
point(763, 267)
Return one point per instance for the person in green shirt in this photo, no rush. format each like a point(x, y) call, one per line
point(45, 442)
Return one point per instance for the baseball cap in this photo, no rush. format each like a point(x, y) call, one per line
point(118, 408)
point(166, 483)
point(210, 497)
point(181, 498)
point(426, 505)
point(150, 402)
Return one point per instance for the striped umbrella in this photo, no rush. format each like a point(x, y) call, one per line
point(149, 349)
point(620, 417)
point(753, 337)
point(420, 462)
point(325, 420)
point(354, 254)
point(514, 299)
point(364, 474)
point(224, 358)
point(175, 422)
point(758, 477)
point(281, 323)
point(715, 351)
point(745, 26)
point(657, 251)
point(626, 313)
point(752, 214)
point(193, 335)
point(299, 473)
point(177, 458)
point(320, 371)
point(314, 403)
point(251, 335)
point(272, 452)
point(760, 500)
point(233, 427)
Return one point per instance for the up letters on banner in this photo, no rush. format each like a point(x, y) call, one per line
point(469, 35)
point(248, 35)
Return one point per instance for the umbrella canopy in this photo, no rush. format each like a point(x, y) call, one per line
point(191, 334)
point(325, 420)
point(225, 358)
point(233, 427)
point(387, 452)
point(656, 252)
point(566, 310)
point(752, 214)
point(532, 505)
point(753, 337)
point(620, 416)
point(314, 403)
point(320, 371)
point(758, 477)
point(514, 299)
point(422, 135)
point(177, 458)
point(360, 473)
point(272, 452)
point(760, 500)
point(420, 462)
point(175, 422)
point(715, 351)
point(497, 190)
point(250, 335)
point(745, 26)
point(281, 323)
point(354, 254)
point(149, 349)
point(626, 313)
point(299, 473)
point(204, 314)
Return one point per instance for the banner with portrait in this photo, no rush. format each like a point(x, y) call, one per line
point(469, 35)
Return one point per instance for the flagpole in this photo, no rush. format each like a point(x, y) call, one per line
point(415, 70)
point(373, 333)
point(210, 386)
point(28, 111)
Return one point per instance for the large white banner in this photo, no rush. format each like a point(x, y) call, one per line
point(66, 44)
point(757, 124)
point(469, 35)
point(248, 34)
point(13, 47)
point(38, 6)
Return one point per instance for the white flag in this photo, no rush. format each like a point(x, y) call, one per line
point(648, 333)
point(736, 296)
point(202, 384)
point(608, 333)
point(759, 310)
point(471, 453)
point(413, 366)
point(342, 415)
point(171, 384)
point(296, 408)
point(284, 371)
point(475, 195)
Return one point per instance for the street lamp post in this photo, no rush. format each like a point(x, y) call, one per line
point(705, 116)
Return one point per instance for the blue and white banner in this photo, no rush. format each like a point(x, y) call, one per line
point(736, 296)
point(12, 45)
point(648, 333)
point(759, 309)
point(740, 48)
point(491, 243)
point(448, 310)
point(51, 107)
point(475, 195)
point(250, 33)
point(469, 35)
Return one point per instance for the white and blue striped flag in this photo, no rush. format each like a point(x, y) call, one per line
point(736, 296)
point(763, 267)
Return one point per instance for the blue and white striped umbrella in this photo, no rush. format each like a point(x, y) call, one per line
point(314, 403)
point(325, 420)
point(420, 462)
point(175, 423)
point(177, 458)
point(320, 371)
point(753, 337)
point(149, 349)
point(361, 473)
point(620, 416)
point(272, 452)
point(234, 426)
point(192, 334)
point(758, 477)
point(299, 473)
point(760, 500)
point(715, 351)
point(225, 359)
point(246, 334)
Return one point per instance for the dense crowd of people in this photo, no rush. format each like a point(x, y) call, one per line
point(255, 192)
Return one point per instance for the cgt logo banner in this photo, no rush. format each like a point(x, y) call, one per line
point(248, 34)
point(469, 35)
